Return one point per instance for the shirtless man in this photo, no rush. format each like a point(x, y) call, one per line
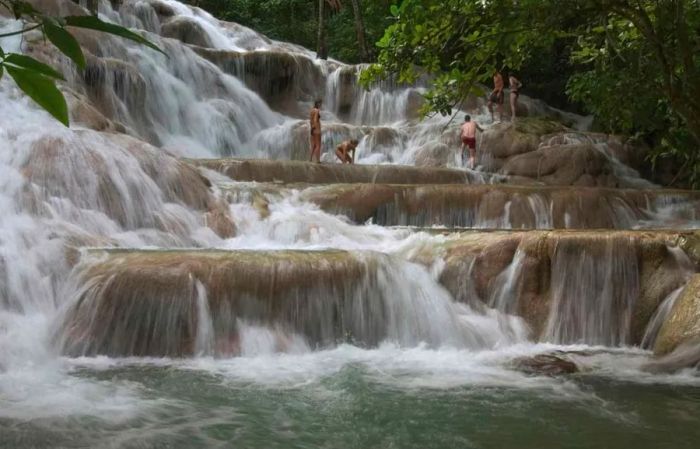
point(497, 95)
point(315, 126)
point(468, 134)
point(344, 149)
point(515, 86)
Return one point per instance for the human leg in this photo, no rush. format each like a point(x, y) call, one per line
point(316, 148)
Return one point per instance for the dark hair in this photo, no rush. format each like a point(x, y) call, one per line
point(467, 118)
point(317, 103)
point(354, 142)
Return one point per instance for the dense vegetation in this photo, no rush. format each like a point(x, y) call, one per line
point(297, 21)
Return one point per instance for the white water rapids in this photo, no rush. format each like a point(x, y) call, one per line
point(62, 190)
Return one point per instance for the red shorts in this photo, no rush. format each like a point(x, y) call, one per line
point(470, 142)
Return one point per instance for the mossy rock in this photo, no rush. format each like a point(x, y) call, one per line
point(538, 126)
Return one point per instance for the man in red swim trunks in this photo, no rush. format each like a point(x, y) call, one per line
point(468, 134)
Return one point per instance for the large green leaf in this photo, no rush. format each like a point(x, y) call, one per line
point(42, 90)
point(31, 64)
point(94, 23)
point(64, 41)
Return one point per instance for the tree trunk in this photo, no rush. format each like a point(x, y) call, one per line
point(322, 49)
point(360, 30)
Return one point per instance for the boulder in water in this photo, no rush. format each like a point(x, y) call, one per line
point(554, 364)
point(683, 324)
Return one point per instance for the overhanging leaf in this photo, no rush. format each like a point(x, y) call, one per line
point(65, 42)
point(31, 64)
point(42, 90)
point(94, 23)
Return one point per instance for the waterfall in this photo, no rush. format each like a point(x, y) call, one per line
point(364, 298)
point(658, 319)
point(593, 292)
point(205, 327)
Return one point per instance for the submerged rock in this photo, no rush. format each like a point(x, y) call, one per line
point(554, 364)
point(684, 357)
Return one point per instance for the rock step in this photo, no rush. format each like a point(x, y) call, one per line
point(569, 287)
point(489, 206)
point(285, 172)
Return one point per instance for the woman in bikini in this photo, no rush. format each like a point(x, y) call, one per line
point(515, 86)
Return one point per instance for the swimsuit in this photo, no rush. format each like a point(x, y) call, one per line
point(470, 142)
point(496, 97)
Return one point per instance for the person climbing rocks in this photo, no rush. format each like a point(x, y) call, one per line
point(468, 135)
point(515, 86)
point(315, 128)
point(346, 151)
point(496, 96)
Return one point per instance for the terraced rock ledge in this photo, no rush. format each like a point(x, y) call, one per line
point(286, 172)
point(157, 303)
point(488, 206)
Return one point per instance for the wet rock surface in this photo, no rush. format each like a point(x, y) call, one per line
point(293, 172)
point(554, 364)
point(683, 325)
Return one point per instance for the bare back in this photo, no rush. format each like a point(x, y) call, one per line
point(469, 130)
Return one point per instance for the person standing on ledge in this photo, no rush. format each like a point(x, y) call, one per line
point(515, 86)
point(344, 150)
point(315, 126)
point(468, 136)
point(497, 95)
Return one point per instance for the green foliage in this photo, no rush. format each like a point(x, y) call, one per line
point(634, 64)
point(36, 79)
point(296, 21)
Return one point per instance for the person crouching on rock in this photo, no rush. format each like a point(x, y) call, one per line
point(468, 135)
point(315, 127)
point(346, 151)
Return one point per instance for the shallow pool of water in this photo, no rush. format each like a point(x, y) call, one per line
point(354, 398)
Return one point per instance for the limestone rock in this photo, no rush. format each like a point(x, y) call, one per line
point(433, 155)
point(555, 364)
point(187, 31)
point(683, 324)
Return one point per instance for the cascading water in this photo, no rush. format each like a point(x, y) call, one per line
point(136, 288)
